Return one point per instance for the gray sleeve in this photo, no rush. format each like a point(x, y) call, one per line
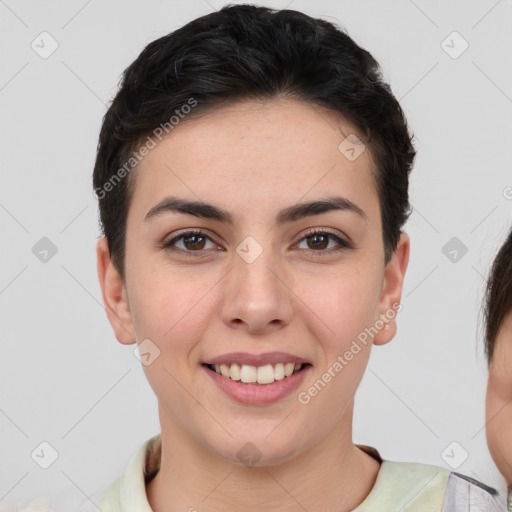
point(464, 494)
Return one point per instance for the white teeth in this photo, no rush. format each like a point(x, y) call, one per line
point(265, 374)
point(288, 369)
point(261, 374)
point(279, 371)
point(248, 373)
point(234, 372)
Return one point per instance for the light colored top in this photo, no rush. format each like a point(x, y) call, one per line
point(400, 486)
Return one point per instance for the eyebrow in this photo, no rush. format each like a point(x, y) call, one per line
point(287, 215)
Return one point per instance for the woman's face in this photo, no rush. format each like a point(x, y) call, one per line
point(260, 285)
point(499, 401)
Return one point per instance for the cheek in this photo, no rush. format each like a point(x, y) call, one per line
point(172, 309)
point(343, 304)
point(499, 440)
point(338, 312)
point(499, 432)
point(165, 302)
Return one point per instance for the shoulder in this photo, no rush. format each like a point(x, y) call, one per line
point(466, 493)
point(415, 487)
point(408, 485)
point(128, 492)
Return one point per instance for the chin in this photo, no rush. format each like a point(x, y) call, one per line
point(256, 451)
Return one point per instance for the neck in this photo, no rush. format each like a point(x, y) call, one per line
point(333, 476)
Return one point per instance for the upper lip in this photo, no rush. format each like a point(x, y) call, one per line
point(256, 359)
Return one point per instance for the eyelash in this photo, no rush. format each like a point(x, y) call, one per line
point(343, 245)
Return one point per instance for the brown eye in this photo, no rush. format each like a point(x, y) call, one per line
point(191, 241)
point(318, 242)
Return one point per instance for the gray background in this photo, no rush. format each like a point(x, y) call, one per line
point(64, 378)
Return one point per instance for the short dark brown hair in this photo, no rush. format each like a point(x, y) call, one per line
point(498, 295)
point(251, 52)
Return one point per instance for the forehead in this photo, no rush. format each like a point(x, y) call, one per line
point(279, 150)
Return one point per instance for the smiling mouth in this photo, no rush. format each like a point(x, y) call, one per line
point(249, 374)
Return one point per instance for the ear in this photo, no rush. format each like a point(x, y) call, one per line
point(389, 305)
point(114, 294)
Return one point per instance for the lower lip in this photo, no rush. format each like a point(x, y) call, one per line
point(258, 394)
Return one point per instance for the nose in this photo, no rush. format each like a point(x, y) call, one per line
point(258, 296)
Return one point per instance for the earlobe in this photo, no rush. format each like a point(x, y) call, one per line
point(392, 286)
point(114, 295)
point(386, 334)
